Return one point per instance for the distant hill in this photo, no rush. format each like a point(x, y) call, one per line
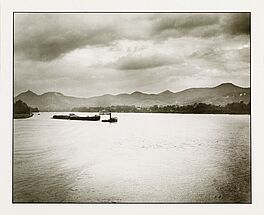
point(219, 95)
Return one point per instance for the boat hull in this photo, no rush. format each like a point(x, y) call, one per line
point(87, 118)
point(110, 120)
point(84, 118)
point(61, 117)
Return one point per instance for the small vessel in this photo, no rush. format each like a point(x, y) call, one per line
point(76, 117)
point(111, 119)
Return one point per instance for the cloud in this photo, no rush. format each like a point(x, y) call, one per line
point(201, 25)
point(45, 37)
point(42, 37)
point(143, 62)
point(236, 24)
point(117, 53)
point(238, 55)
point(179, 24)
point(244, 54)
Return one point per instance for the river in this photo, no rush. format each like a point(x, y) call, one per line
point(143, 158)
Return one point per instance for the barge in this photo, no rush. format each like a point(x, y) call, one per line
point(75, 117)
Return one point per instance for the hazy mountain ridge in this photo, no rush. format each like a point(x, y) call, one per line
point(219, 95)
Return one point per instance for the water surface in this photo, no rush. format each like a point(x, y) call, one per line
point(142, 158)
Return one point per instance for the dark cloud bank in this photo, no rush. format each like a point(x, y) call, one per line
point(45, 37)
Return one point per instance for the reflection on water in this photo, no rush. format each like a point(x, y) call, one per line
point(142, 158)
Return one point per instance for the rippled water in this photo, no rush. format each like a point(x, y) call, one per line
point(142, 158)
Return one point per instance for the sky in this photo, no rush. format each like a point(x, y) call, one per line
point(90, 54)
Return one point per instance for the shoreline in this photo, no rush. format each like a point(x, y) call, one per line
point(146, 112)
point(22, 116)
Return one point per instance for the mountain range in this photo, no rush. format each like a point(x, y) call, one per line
point(220, 95)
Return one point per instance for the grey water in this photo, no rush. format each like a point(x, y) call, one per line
point(143, 158)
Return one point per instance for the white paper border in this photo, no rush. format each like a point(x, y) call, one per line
point(257, 86)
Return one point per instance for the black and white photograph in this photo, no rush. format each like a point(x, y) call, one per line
point(132, 107)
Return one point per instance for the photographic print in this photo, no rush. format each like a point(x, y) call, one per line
point(131, 107)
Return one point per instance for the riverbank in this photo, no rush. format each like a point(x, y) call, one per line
point(22, 115)
point(200, 108)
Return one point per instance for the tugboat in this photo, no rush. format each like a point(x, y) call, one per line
point(111, 119)
point(75, 117)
